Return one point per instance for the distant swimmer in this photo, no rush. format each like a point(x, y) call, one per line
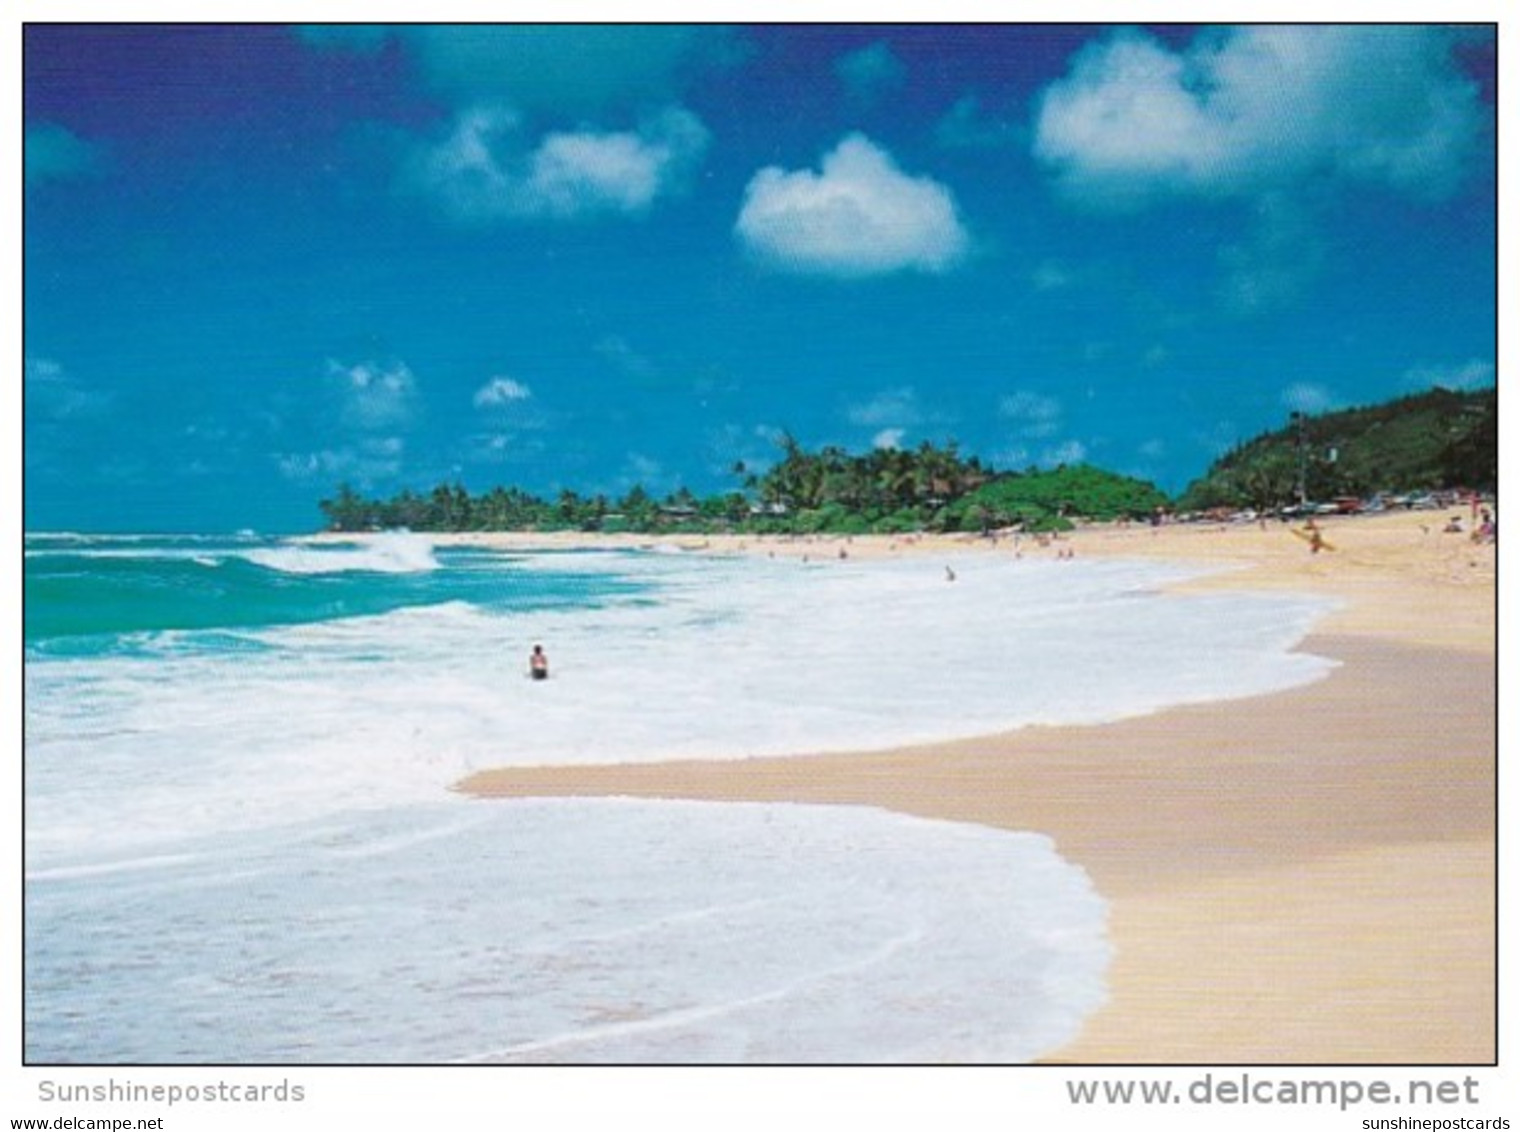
point(949, 574)
point(538, 664)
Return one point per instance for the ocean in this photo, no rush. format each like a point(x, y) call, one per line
point(242, 846)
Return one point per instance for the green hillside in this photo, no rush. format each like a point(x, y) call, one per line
point(830, 491)
point(1439, 439)
point(1429, 441)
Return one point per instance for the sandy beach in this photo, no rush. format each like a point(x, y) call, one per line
point(1301, 877)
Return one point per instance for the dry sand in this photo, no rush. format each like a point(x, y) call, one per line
point(1304, 877)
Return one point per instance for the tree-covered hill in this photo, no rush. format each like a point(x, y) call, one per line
point(1039, 500)
point(1438, 439)
point(828, 491)
point(1433, 440)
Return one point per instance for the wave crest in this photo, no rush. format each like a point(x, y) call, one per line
point(390, 553)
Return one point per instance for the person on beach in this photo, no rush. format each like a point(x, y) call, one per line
point(1316, 537)
point(538, 664)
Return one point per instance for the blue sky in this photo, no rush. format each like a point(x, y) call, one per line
point(260, 260)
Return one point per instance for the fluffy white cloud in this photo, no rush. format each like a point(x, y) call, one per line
point(1252, 109)
point(501, 391)
point(481, 172)
point(889, 438)
point(860, 215)
point(374, 395)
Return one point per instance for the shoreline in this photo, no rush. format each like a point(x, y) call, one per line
point(1305, 876)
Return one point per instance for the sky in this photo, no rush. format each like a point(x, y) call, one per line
point(261, 261)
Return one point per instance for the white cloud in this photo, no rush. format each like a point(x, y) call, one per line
point(1307, 397)
point(481, 171)
point(1033, 414)
point(889, 438)
point(870, 72)
point(859, 216)
point(625, 172)
point(374, 395)
point(1256, 108)
point(501, 391)
point(1472, 374)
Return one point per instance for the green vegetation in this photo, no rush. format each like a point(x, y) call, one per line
point(1440, 439)
point(1433, 440)
point(828, 491)
point(1049, 500)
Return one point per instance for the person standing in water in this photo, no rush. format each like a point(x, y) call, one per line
point(538, 664)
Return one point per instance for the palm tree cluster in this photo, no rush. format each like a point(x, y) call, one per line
point(930, 487)
point(882, 482)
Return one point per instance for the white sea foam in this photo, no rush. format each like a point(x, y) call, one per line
point(271, 817)
point(388, 553)
point(730, 659)
point(579, 931)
